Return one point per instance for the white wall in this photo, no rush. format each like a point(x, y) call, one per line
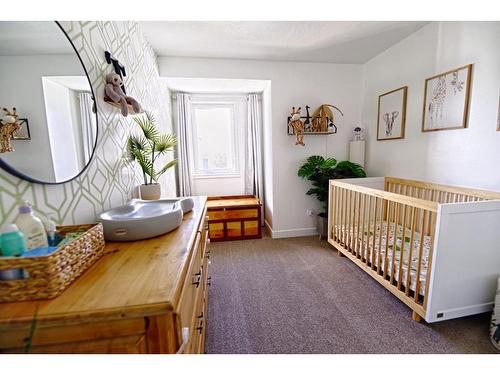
point(463, 157)
point(292, 84)
point(22, 88)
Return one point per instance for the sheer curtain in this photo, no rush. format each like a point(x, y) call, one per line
point(183, 124)
point(89, 129)
point(253, 171)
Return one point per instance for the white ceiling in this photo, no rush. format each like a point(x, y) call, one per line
point(313, 41)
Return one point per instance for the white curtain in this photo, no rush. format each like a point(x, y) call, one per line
point(183, 124)
point(253, 171)
point(89, 128)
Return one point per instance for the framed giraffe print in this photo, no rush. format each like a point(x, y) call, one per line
point(446, 100)
point(391, 116)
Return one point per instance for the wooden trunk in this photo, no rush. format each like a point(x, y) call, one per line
point(236, 217)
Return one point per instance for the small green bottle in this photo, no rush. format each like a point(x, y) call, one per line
point(12, 244)
point(12, 241)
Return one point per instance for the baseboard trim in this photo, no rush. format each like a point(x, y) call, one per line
point(298, 232)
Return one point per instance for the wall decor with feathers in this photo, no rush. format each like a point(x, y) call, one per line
point(321, 122)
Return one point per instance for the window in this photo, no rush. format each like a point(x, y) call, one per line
point(214, 134)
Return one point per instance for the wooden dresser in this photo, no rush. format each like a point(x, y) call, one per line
point(141, 297)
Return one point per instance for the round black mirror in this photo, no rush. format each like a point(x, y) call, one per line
point(43, 77)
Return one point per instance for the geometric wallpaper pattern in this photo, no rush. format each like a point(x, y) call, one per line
point(110, 179)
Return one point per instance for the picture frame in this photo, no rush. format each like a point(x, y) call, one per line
point(447, 100)
point(391, 114)
point(23, 134)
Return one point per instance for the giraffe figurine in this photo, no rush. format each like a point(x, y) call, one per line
point(437, 100)
point(298, 126)
point(9, 124)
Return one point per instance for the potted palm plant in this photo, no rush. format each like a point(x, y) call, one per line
point(146, 149)
point(320, 171)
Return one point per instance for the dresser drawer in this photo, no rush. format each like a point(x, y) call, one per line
point(119, 345)
point(46, 335)
point(191, 290)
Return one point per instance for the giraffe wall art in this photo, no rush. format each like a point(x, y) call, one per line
point(446, 100)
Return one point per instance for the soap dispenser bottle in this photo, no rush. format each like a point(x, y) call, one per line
point(31, 226)
point(53, 235)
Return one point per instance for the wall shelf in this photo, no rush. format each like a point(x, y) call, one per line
point(117, 105)
point(332, 126)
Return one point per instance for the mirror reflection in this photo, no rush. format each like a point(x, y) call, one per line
point(43, 79)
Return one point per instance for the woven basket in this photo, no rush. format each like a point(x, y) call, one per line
point(51, 274)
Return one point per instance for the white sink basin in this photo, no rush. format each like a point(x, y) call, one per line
point(141, 219)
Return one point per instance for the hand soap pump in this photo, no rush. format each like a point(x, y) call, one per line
point(32, 227)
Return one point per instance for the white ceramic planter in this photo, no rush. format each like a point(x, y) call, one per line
point(150, 192)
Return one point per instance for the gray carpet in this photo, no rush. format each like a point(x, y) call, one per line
point(297, 296)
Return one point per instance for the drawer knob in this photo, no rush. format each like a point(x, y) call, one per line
point(209, 280)
point(197, 279)
point(200, 327)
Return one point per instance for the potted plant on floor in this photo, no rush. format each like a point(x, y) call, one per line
point(147, 148)
point(320, 171)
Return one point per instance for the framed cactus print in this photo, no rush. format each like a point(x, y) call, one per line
point(446, 100)
point(391, 116)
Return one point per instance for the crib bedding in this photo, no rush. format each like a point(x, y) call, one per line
point(394, 252)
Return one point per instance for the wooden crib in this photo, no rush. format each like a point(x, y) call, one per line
point(435, 247)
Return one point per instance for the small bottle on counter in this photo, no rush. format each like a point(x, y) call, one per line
point(32, 227)
point(13, 244)
point(53, 235)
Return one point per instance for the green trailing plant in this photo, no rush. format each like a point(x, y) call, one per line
point(147, 147)
point(320, 171)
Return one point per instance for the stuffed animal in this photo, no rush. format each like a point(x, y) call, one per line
point(113, 91)
point(298, 126)
point(9, 124)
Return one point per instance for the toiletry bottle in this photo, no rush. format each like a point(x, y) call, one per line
point(53, 235)
point(12, 241)
point(32, 227)
point(13, 245)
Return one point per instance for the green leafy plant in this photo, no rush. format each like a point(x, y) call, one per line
point(320, 171)
point(147, 147)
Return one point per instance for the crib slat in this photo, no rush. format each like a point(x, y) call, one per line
point(375, 215)
point(420, 256)
point(394, 246)
point(410, 253)
point(387, 235)
point(401, 251)
point(379, 251)
point(368, 230)
point(348, 219)
point(358, 226)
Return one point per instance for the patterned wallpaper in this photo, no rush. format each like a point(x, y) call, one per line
point(110, 179)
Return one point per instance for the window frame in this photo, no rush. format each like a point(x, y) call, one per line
point(210, 103)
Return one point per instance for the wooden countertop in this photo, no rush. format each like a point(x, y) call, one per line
point(137, 278)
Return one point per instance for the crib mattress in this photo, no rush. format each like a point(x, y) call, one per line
point(394, 251)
